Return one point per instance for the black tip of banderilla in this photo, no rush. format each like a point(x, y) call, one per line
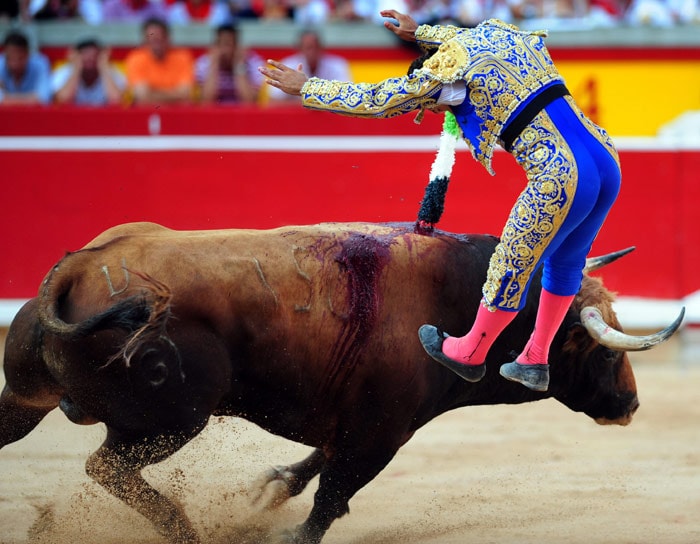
point(433, 204)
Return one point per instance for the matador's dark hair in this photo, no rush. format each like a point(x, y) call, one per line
point(418, 62)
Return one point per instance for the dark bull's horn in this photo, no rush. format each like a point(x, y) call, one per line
point(607, 336)
point(594, 263)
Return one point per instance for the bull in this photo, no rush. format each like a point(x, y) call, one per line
point(307, 331)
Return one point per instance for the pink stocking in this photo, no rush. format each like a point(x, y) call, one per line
point(472, 348)
point(550, 314)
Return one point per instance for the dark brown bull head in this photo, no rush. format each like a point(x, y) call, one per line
point(597, 347)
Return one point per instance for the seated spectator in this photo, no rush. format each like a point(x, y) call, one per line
point(89, 11)
point(58, 10)
point(228, 74)
point(183, 12)
point(433, 12)
point(133, 11)
point(369, 10)
point(315, 62)
point(88, 78)
point(240, 9)
point(158, 73)
point(272, 10)
point(606, 12)
point(311, 12)
point(663, 13)
point(14, 10)
point(469, 13)
point(344, 10)
point(24, 76)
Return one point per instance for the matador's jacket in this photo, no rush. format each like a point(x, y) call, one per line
point(515, 98)
point(502, 66)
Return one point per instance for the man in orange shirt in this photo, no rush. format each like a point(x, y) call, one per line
point(156, 72)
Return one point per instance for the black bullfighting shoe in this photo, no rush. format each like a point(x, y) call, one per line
point(535, 377)
point(432, 339)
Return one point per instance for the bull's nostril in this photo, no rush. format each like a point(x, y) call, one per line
point(634, 405)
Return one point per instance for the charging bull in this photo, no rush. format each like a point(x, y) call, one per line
point(309, 332)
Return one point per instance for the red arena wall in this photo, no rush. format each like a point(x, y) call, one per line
point(70, 173)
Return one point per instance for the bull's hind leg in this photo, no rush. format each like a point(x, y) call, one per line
point(280, 483)
point(18, 417)
point(117, 466)
point(30, 391)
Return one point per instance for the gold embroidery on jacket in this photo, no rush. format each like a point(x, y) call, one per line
point(501, 65)
point(449, 63)
point(389, 98)
point(430, 37)
point(537, 214)
point(504, 66)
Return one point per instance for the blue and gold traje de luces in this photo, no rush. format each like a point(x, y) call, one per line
point(501, 65)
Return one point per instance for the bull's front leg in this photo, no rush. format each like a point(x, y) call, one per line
point(276, 485)
point(343, 475)
point(117, 466)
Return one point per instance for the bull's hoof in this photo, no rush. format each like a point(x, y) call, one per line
point(535, 377)
point(432, 338)
point(271, 489)
point(298, 536)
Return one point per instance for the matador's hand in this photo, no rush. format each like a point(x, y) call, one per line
point(407, 26)
point(283, 77)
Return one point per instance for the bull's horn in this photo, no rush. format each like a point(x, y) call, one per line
point(594, 263)
point(607, 336)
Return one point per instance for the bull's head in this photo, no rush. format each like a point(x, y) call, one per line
point(594, 370)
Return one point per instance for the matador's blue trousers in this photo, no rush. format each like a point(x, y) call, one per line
point(573, 174)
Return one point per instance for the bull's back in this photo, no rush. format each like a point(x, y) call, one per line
point(340, 273)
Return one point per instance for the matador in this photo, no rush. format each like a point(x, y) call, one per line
point(504, 90)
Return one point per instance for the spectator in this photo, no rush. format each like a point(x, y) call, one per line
point(606, 12)
point(368, 10)
point(272, 9)
point(663, 13)
point(239, 9)
point(133, 11)
point(311, 12)
point(88, 78)
point(157, 72)
point(58, 10)
point(228, 73)
point(183, 12)
point(24, 76)
point(14, 10)
point(315, 62)
point(89, 11)
point(432, 12)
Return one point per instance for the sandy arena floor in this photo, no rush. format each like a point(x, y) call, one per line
point(534, 473)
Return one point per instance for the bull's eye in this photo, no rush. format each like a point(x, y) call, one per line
point(609, 355)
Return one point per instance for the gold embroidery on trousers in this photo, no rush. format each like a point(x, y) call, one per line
point(599, 133)
point(536, 216)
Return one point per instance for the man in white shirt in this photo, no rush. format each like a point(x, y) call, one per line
point(88, 78)
point(315, 62)
point(227, 73)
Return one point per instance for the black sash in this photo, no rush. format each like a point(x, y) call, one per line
point(536, 105)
